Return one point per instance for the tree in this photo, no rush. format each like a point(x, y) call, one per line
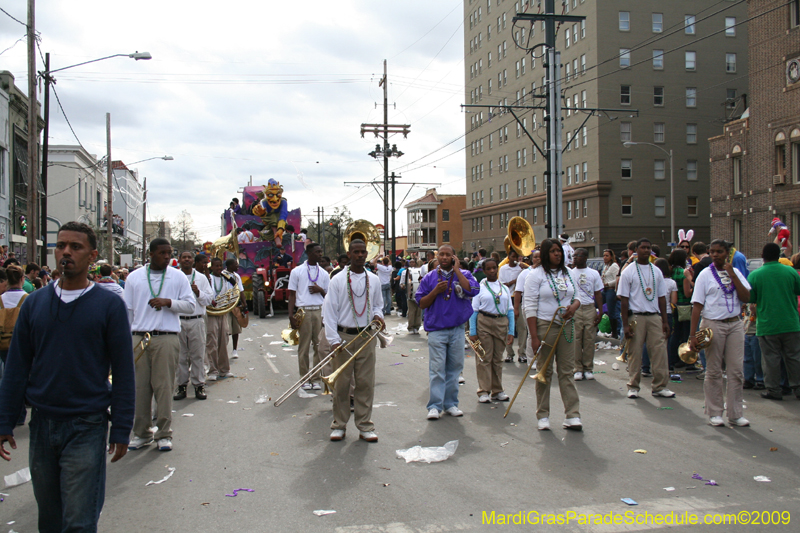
point(184, 237)
point(332, 230)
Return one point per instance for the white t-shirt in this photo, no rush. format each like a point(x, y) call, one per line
point(709, 293)
point(12, 297)
point(485, 302)
point(508, 273)
point(412, 277)
point(67, 296)
point(588, 281)
point(540, 300)
point(642, 291)
point(385, 273)
point(671, 287)
point(338, 310)
point(305, 276)
point(246, 237)
point(520, 287)
point(569, 253)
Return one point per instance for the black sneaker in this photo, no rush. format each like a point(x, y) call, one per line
point(759, 385)
point(180, 393)
point(748, 385)
point(352, 405)
point(509, 359)
point(522, 359)
point(199, 392)
point(647, 374)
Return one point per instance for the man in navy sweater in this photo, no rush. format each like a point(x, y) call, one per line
point(67, 337)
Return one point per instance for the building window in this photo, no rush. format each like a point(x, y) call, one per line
point(691, 97)
point(659, 167)
point(2, 171)
point(691, 134)
point(583, 64)
point(737, 234)
point(625, 95)
point(525, 186)
point(569, 210)
point(688, 22)
point(796, 164)
point(505, 163)
point(445, 235)
point(569, 175)
point(737, 175)
point(624, 21)
point(658, 96)
point(691, 205)
point(577, 209)
point(661, 206)
point(627, 205)
point(730, 98)
point(535, 215)
point(481, 198)
point(658, 22)
point(583, 29)
point(585, 135)
point(624, 58)
point(519, 188)
point(445, 215)
point(585, 171)
point(491, 194)
point(626, 169)
point(730, 63)
point(795, 15)
point(658, 132)
point(730, 26)
point(535, 184)
point(691, 170)
point(524, 157)
point(690, 60)
point(585, 208)
point(519, 158)
point(624, 131)
point(780, 160)
point(658, 59)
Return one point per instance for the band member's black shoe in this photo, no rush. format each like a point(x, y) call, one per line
point(200, 392)
point(180, 393)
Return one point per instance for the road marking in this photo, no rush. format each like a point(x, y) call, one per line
point(271, 364)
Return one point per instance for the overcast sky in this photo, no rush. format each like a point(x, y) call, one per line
point(262, 88)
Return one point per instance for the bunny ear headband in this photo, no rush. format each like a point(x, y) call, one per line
point(687, 236)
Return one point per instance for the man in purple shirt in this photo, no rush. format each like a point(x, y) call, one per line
point(446, 293)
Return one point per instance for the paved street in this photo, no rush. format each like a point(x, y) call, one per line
point(501, 465)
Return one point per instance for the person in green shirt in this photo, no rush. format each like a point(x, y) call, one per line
point(31, 271)
point(774, 290)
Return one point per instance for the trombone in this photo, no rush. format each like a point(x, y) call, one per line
point(142, 346)
point(626, 344)
point(372, 330)
point(540, 375)
point(291, 336)
point(477, 347)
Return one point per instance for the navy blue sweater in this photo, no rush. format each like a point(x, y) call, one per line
point(60, 357)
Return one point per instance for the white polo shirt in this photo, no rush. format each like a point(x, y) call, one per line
point(708, 292)
point(305, 276)
point(541, 289)
point(385, 273)
point(642, 291)
point(588, 281)
point(508, 273)
point(485, 302)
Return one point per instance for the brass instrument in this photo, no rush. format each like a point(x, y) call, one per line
point(477, 347)
point(225, 301)
point(142, 347)
point(228, 243)
point(292, 336)
point(520, 238)
point(540, 376)
point(626, 344)
point(330, 380)
point(703, 338)
point(366, 231)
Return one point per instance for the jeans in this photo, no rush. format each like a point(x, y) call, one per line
point(610, 301)
point(680, 334)
point(68, 470)
point(446, 361)
point(752, 360)
point(386, 290)
point(24, 413)
point(618, 313)
point(402, 302)
point(777, 349)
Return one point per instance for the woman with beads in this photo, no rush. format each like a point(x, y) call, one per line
point(550, 298)
point(492, 322)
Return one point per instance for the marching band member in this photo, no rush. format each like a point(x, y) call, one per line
point(353, 301)
point(548, 288)
point(234, 328)
point(445, 293)
point(643, 294)
point(492, 322)
point(588, 315)
point(308, 284)
point(519, 308)
point(508, 276)
point(719, 293)
point(192, 337)
point(217, 327)
point(410, 283)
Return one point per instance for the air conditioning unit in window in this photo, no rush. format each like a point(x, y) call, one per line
point(779, 179)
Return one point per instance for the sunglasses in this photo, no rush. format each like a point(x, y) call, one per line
point(685, 247)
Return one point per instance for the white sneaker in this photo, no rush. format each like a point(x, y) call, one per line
point(234, 354)
point(664, 393)
point(306, 386)
point(588, 375)
point(501, 397)
point(454, 411)
point(433, 414)
point(578, 376)
point(165, 445)
point(227, 375)
point(461, 380)
point(484, 398)
point(573, 424)
point(337, 434)
point(139, 442)
point(633, 393)
point(211, 377)
point(369, 436)
point(741, 422)
point(316, 386)
point(716, 421)
point(544, 424)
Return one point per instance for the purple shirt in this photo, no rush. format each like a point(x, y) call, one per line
point(445, 314)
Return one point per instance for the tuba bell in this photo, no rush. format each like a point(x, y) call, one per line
point(228, 243)
point(520, 238)
point(703, 337)
point(366, 231)
point(291, 336)
point(225, 301)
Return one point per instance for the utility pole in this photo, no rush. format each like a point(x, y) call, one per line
point(144, 223)
point(33, 138)
point(109, 193)
point(45, 146)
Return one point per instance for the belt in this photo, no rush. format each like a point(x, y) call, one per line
point(310, 307)
point(154, 333)
point(643, 314)
point(490, 315)
point(191, 317)
point(350, 331)
point(729, 319)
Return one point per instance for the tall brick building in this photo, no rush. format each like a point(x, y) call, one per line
point(755, 163)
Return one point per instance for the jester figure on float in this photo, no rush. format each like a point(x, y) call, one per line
point(273, 209)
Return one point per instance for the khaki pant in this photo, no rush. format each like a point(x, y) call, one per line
point(728, 346)
point(192, 340)
point(324, 350)
point(564, 361)
point(364, 371)
point(648, 330)
point(521, 330)
point(155, 378)
point(234, 328)
point(492, 333)
point(414, 315)
point(309, 336)
point(585, 334)
point(217, 344)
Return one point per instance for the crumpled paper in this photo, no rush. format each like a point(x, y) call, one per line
point(322, 512)
point(162, 480)
point(18, 478)
point(432, 454)
point(762, 479)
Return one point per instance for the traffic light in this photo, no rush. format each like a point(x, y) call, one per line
point(23, 224)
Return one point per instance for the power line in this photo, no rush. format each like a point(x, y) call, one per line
point(12, 17)
point(15, 44)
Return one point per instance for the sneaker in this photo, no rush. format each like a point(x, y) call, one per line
point(573, 424)
point(522, 359)
point(664, 393)
point(454, 411)
point(510, 355)
point(759, 385)
point(352, 405)
point(306, 386)
point(369, 436)
point(337, 434)
point(647, 374)
point(316, 386)
point(433, 414)
point(180, 393)
point(769, 396)
point(633, 393)
point(226, 375)
point(461, 380)
point(501, 397)
point(544, 424)
point(578, 376)
point(484, 398)
point(165, 445)
point(701, 375)
point(588, 375)
point(140, 442)
point(235, 354)
point(741, 422)
point(212, 377)
point(508, 360)
point(716, 421)
point(200, 392)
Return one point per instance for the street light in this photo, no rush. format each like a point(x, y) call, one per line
point(386, 152)
point(628, 144)
point(165, 158)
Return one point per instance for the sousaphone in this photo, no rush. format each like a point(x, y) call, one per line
point(520, 238)
point(366, 231)
point(225, 301)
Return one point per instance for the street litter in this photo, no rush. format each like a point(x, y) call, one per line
point(711, 482)
point(403, 355)
point(604, 346)
point(629, 501)
point(433, 454)
point(237, 491)
point(271, 355)
point(503, 444)
point(287, 349)
point(599, 362)
point(162, 480)
point(414, 349)
point(762, 479)
point(384, 404)
point(675, 378)
point(285, 345)
point(639, 451)
point(666, 408)
point(303, 394)
point(18, 478)
point(247, 340)
point(187, 414)
point(697, 476)
point(323, 513)
point(395, 364)
point(669, 489)
point(267, 335)
point(262, 396)
point(773, 449)
point(275, 342)
point(614, 366)
point(232, 401)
